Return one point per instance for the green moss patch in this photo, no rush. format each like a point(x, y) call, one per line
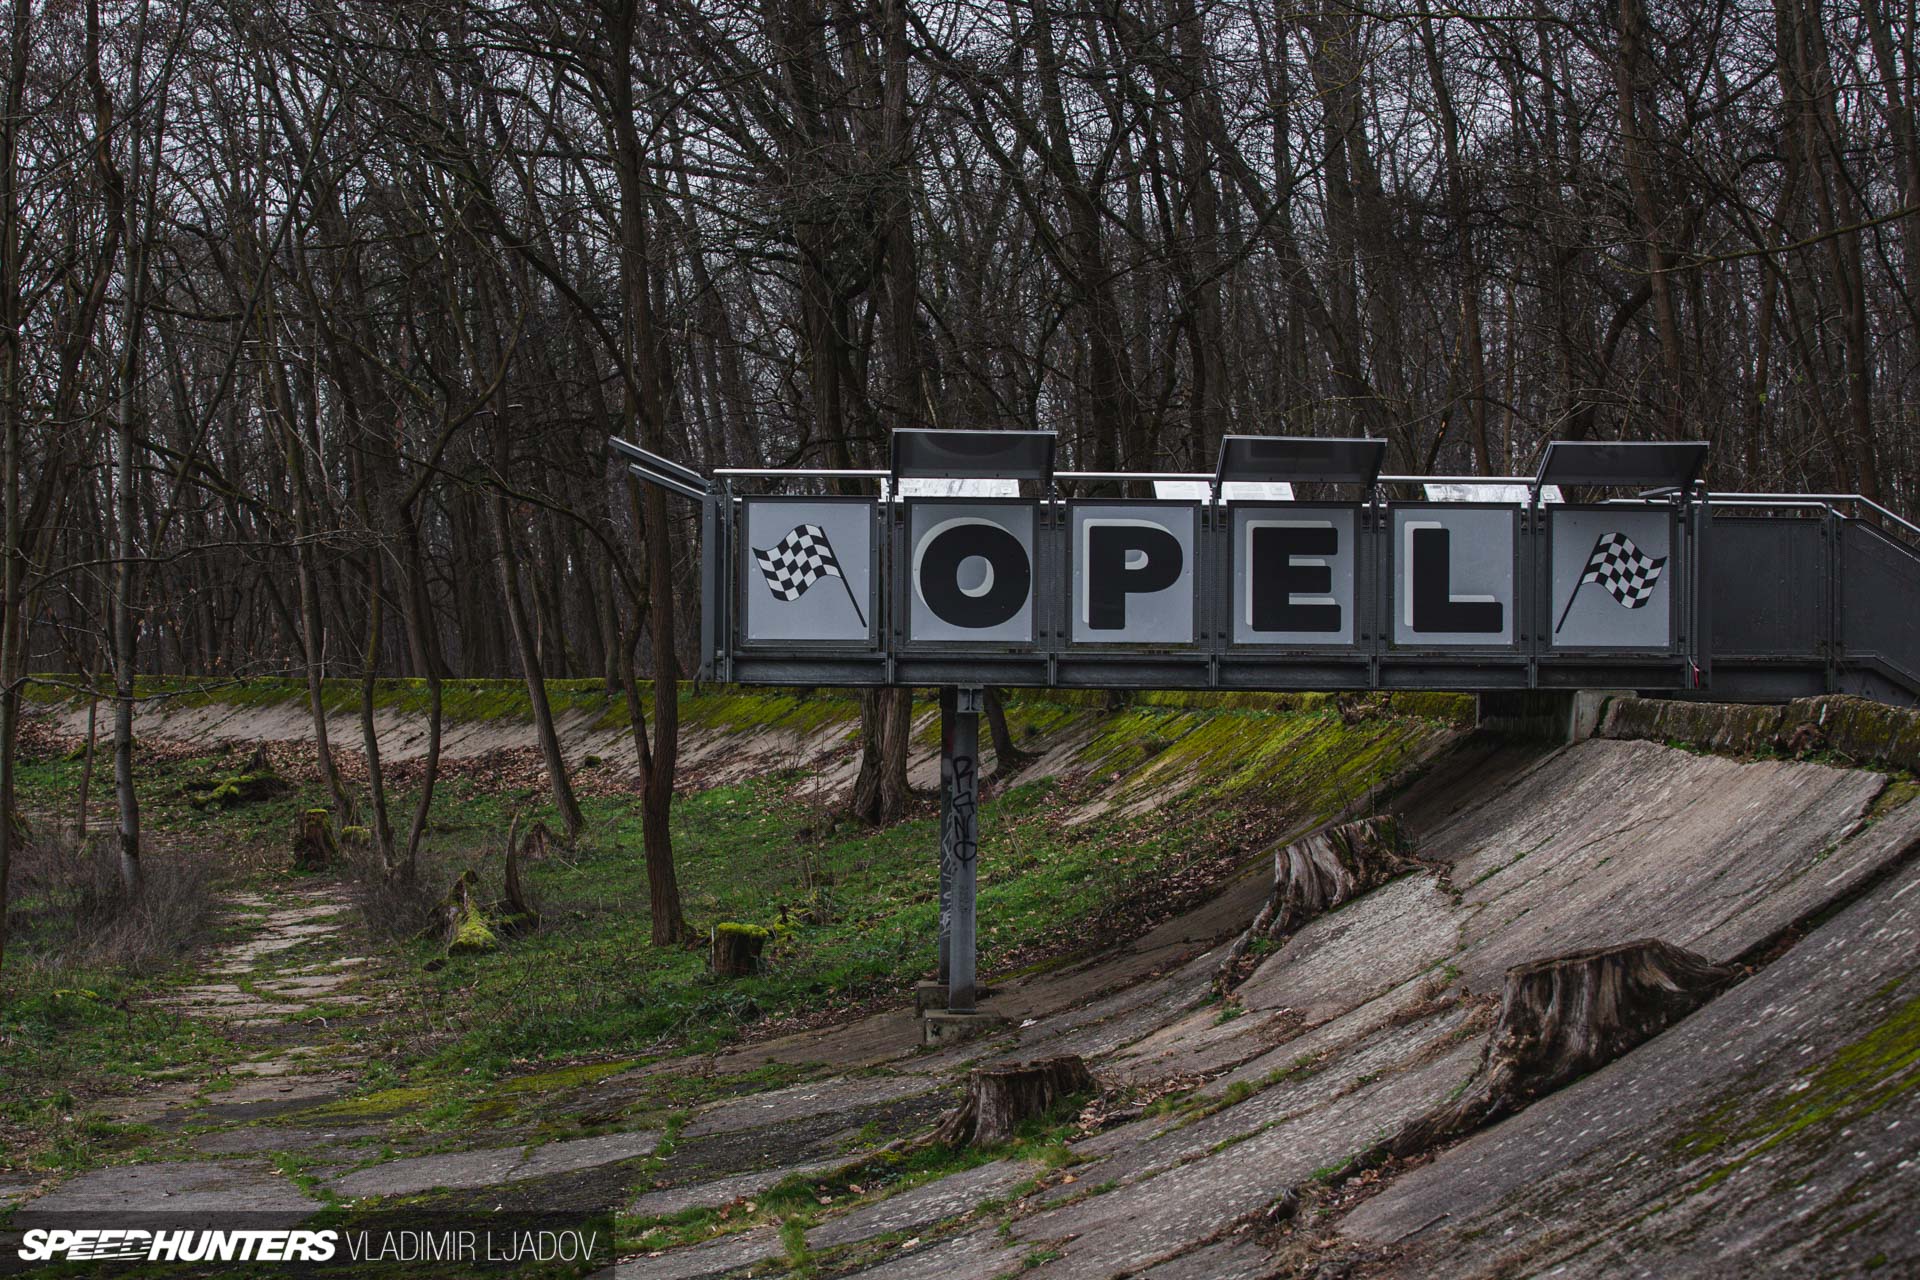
point(1859, 1079)
point(379, 1104)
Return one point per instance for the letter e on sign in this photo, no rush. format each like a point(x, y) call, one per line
point(1293, 575)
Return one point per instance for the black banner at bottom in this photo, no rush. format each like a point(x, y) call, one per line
point(420, 1244)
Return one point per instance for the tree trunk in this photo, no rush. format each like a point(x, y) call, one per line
point(369, 736)
point(1472, 343)
point(87, 758)
point(1564, 1017)
point(463, 925)
point(881, 795)
point(1007, 757)
point(12, 628)
point(1000, 1099)
point(517, 905)
point(123, 207)
point(646, 401)
point(424, 635)
point(563, 798)
point(9, 747)
point(1636, 134)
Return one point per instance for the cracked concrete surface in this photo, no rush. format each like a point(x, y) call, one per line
point(1773, 1132)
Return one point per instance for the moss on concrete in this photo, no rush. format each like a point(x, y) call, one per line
point(368, 1106)
point(1715, 726)
point(1859, 729)
point(1321, 760)
point(718, 705)
point(1864, 1076)
point(1853, 730)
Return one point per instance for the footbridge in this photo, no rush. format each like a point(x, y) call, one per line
point(1296, 564)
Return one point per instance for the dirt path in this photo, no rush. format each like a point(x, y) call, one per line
point(292, 965)
point(273, 1132)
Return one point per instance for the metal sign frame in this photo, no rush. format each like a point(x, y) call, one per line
point(1824, 582)
point(1377, 654)
point(1858, 582)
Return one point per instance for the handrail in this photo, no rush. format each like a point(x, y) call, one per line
point(1202, 477)
point(1526, 481)
point(1768, 499)
point(645, 461)
point(1715, 499)
point(811, 473)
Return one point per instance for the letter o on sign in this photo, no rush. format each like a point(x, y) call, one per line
point(972, 578)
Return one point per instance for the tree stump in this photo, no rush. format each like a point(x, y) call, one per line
point(539, 843)
point(314, 848)
point(1313, 875)
point(517, 909)
point(736, 949)
point(1000, 1098)
point(1564, 1017)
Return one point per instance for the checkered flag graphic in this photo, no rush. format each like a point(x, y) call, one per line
point(1627, 573)
point(798, 561)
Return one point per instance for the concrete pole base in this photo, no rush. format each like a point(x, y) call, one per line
point(943, 1026)
point(929, 995)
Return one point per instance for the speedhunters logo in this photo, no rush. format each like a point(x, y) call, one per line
point(110, 1244)
point(383, 1244)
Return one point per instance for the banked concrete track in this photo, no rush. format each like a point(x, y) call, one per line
point(1774, 1131)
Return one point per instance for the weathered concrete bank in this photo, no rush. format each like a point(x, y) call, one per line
point(1459, 1067)
point(1770, 1131)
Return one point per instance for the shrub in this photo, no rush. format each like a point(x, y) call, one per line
point(71, 910)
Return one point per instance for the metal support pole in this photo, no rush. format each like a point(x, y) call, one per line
point(960, 842)
point(946, 819)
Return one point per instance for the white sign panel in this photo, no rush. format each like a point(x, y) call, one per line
point(1611, 581)
point(1133, 574)
point(970, 571)
point(1293, 575)
point(1452, 576)
point(806, 571)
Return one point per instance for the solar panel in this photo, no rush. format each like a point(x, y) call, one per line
point(1622, 463)
point(930, 453)
point(1300, 458)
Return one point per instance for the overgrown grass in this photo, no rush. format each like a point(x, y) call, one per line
point(864, 929)
point(85, 962)
point(66, 1036)
point(1185, 787)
